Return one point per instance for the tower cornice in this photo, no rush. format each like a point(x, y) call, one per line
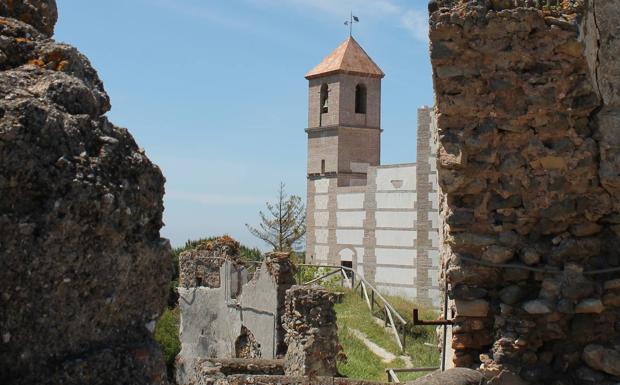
point(337, 126)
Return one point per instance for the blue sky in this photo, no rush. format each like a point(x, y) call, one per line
point(214, 91)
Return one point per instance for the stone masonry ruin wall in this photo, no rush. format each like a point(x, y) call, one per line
point(528, 127)
point(311, 332)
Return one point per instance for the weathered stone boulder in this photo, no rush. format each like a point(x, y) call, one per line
point(84, 270)
point(600, 358)
point(456, 376)
point(41, 14)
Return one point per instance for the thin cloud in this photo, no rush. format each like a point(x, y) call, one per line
point(411, 19)
point(201, 11)
point(213, 199)
point(416, 22)
point(343, 7)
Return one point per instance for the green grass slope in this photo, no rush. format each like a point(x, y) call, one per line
point(361, 363)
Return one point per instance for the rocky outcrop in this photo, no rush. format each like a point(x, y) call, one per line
point(455, 376)
point(527, 129)
point(41, 14)
point(84, 272)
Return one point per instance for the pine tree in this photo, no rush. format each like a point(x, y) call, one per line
point(284, 225)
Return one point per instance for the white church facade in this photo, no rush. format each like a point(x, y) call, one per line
point(381, 220)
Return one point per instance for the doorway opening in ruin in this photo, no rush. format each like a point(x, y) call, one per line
point(348, 264)
point(246, 345)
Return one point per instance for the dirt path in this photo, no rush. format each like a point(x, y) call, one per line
point(385, 356)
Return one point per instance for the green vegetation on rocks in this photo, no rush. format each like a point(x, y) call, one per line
point(167, 335)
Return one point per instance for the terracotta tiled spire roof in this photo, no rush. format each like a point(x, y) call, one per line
point(348, 58)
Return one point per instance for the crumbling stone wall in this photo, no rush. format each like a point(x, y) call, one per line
point(311, 332)
point(83, 270)
point(200, 266)
point(528, 132)
point(236, 319)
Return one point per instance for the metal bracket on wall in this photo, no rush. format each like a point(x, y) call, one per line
point(418, 321)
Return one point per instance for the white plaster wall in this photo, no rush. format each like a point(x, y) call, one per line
point(360, 269)
point(434, 237)
point(346, 255)
point(321, 186)
point(350, 237)
point(350, 218)
point(435, 295)
point(395, 200)
point(360, 253)
point(321, 218)
point(434, 217)
point(404, 238)
point(321, 252)
point(432, 197)
point(350, 201)
point(434, 257)
point(394, 275)
point(320, 202)
point(406, 292)
point(434, 276)
point(432, 179)
point(406, 174)
point(320, 235)
point(395, 256)
point(403, 220)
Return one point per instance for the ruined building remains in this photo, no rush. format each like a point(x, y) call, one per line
point(225, 313)
point(528, 131)
point(84, 272)
point(380, 220)
point(238, 319)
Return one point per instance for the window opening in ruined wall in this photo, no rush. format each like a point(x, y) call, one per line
point(246, 345)
point(322, 166)
point(360, 99)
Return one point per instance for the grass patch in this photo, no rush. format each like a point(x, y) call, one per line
point(361, 362)
point(417, 336)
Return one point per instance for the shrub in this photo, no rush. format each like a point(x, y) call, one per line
point(167, 336)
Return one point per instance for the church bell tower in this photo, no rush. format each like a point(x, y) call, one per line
point(344, 116)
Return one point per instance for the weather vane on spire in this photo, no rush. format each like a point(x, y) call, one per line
point(352, 19)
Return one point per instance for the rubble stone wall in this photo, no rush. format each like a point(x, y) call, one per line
point(528, 127)
point(311, 332)
point(83, 270)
